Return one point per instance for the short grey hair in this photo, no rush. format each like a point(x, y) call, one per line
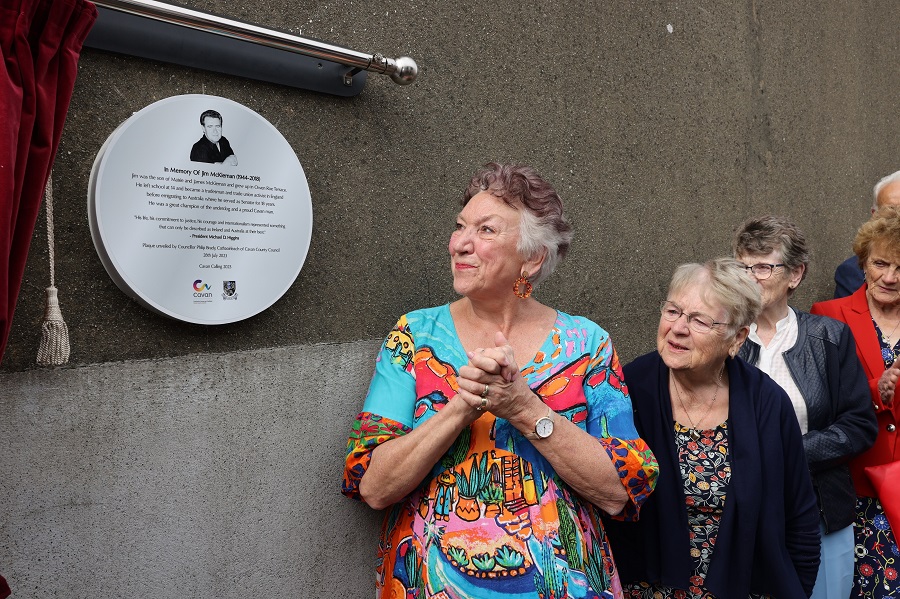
point(766, 234)
point(725, 281)
point(882, 183)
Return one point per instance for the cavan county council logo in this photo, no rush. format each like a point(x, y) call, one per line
point(202, 294)
point(229, 289)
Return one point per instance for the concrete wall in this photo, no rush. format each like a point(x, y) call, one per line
point(183, 457)
point(214, 475)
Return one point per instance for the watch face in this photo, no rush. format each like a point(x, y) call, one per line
point(543, 428)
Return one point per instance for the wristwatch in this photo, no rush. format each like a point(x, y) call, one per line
point(543, 428)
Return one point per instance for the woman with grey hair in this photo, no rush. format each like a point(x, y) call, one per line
point(813, 358)
point(496, 429)
point(733, 514)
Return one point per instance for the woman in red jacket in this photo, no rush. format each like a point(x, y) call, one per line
point(873, 314)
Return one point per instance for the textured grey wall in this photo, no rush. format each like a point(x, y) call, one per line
point(659, 142)
point(663, 124)
point(205, 476)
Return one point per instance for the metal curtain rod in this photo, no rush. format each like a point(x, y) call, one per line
point(402, 70)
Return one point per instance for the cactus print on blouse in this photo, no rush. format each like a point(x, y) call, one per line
point(493, 519)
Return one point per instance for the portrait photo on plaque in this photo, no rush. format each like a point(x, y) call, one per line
point(199, 236)
point(212, 147)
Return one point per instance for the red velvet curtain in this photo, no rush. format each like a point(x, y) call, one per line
point(40, 41)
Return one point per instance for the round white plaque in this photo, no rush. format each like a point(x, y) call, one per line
point(205, 223)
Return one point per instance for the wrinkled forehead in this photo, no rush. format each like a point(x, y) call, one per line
point(486, 202)
point(696, 294)
point(499, 194)
point(889, 195)
point(885, 249)
point(772, 256)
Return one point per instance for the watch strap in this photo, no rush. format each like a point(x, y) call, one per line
point(533, 434)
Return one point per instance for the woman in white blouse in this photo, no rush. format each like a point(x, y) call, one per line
point(814, 360)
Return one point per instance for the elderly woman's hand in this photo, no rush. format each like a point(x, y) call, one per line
point(887, 384)
point(491, 381)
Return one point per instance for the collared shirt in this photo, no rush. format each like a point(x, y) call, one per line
point(771, 361)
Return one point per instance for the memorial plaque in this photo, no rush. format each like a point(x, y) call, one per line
point(200, 210)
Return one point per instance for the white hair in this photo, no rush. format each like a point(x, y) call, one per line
point(725, 281)
point(882, 183)
point(539, 236)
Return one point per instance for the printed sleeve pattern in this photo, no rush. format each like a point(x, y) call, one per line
point(369, 431)
point(493, 518)
point(606, 390)
point(388, 410)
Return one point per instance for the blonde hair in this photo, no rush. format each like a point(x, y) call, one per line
point(884, 226)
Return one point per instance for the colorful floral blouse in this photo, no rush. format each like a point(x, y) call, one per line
point(705, 477)
point(493, 519)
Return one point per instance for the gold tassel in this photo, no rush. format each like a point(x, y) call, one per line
point(54, 349)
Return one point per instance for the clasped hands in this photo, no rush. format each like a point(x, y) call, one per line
point(491, 381)
point(887, 384)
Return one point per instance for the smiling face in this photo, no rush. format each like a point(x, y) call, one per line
point(776, 289)
point(483, 254)
point(212, 128)
point(682, 348)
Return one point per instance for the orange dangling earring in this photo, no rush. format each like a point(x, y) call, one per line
point(519, 284)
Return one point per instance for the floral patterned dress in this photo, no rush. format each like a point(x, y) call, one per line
point(705, 474)
point(876, 546)
point(493, 519)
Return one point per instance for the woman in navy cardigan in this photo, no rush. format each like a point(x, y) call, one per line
point(733, 514)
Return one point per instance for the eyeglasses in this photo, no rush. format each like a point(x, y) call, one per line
point(762, 270)
point(699, 323)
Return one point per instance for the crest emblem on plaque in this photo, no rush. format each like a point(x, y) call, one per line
point(229, 288)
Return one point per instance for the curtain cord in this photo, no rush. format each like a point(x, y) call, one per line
point(54, 349)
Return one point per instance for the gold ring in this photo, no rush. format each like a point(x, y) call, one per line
point(487, 389)
point(484, 404)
